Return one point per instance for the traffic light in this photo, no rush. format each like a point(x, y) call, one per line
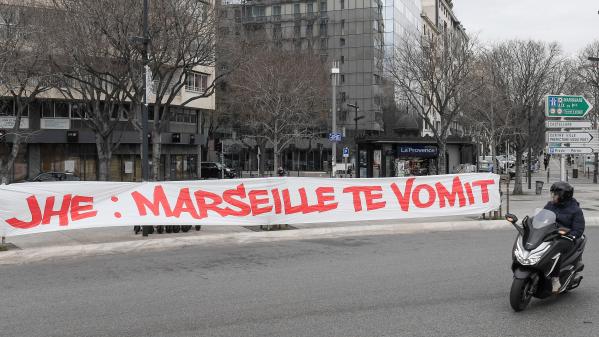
point(218, 145)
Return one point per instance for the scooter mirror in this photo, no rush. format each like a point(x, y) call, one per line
point(511, 218)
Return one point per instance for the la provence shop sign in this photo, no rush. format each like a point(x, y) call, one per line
point(421, 151)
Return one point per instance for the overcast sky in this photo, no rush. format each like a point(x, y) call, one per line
point(573, 23)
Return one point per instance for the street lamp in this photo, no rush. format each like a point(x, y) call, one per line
point(596, 163)
point(334, 75)
point(356, 119)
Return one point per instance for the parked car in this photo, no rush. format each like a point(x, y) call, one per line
point(213, 170)
point(55, 176)
point(465, 168)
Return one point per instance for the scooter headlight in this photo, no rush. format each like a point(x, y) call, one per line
point(530, 258)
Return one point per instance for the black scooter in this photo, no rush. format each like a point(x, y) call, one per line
point(534, 257)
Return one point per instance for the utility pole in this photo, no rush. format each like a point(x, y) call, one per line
point(596, 159)
point(356, 154)
point(334, 73)
point(529, 175)
point(145, 169)
point(145, 163)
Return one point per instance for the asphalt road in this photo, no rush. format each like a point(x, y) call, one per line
point(435, 284)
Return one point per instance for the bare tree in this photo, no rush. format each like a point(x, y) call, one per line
point(181, 41)
point(487, 113)
point(93, 77)
point(279, 97)
point(24, 73)
point(432, 73)
point(588, 77)
point(525, 73)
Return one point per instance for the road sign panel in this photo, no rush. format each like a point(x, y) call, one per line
point(570, 150)
point(566, 106)
point(567, 124)
point(346, 152)
point(335, 137)
point(568, 137)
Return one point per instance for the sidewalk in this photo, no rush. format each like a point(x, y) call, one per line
point(104, 238)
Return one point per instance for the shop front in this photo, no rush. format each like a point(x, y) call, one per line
point(414, 159)
point(413, 156)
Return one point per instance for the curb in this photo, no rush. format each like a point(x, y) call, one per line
point(47, 253)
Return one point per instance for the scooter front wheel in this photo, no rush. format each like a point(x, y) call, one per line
point(521, 293)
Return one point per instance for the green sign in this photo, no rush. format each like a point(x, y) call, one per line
point(566, 106)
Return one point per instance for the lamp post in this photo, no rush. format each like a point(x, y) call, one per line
point(145, 167)
point(529, 173)
point(334, 73)
point(356, 154)
point(596, 159)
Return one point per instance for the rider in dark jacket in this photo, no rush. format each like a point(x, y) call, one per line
point(568, 215)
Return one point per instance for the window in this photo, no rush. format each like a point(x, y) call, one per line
point(296, 9)
point(196, 82)
point(323, 6)
point(309, 30)
point(323, 28)
point(277, 31)
point(7, 108)
point(342, 42)
point(343, 96)
point(342, 3)
point(310, 8)
point(324, 43)
point(342, 27)
point(342, 78)
point(297, 31)
point(55, 110)
point(276, 12)
point(342, 59)
point(78, 111)
point(258, 11)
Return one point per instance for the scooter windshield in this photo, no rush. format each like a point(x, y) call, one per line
point(542, 223)
point(543, 218)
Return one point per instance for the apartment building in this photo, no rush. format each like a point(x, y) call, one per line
point(357, 34)
point(411, 149)
point(58, 138)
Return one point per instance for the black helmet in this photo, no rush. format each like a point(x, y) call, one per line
point(563, 190)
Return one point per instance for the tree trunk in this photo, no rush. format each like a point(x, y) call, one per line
point(441, 160)
point(199, 161)
point(494, 155)
point(6, 165)
point(518, 178)
point(104, 149)
point(4, 174)
point(275, 150)
point(261, 164)
point(155, 155)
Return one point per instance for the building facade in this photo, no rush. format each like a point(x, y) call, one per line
point(56, 136)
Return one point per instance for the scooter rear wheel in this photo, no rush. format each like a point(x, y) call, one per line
point(520, 295)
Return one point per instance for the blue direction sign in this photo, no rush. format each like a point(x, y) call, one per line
point(335, 137)
point(346, 152)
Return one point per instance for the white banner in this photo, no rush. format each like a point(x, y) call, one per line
point(42, 207)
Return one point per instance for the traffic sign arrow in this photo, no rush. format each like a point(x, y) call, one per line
point(568, 137)
point(566, 106)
